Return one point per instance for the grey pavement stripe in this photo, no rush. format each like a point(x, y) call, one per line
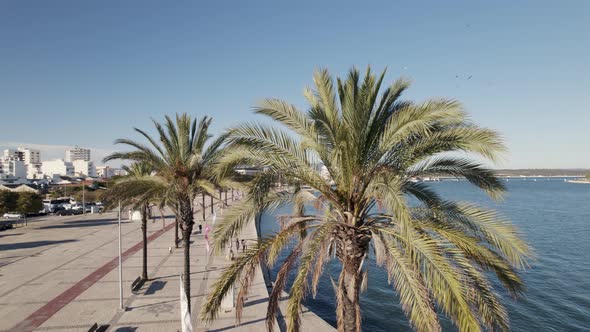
point(62, 265)
point(132, 298)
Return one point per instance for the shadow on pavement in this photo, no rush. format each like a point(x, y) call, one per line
point(152, 304)
point(82, 223)
point(126, 329)
point(254, 302)
point(154, 287)
point(5, 235)
point(35, 244)
point(242, 324)
point(93, 220)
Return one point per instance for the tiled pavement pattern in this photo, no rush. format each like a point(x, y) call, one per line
point(61, 274)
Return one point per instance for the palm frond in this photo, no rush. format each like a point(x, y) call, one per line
point(300, 285)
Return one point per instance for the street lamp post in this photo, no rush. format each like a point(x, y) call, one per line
point(83, 193)
point(120, 263)
point(83, 199)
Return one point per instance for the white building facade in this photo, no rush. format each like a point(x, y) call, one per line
point(119, 172)
point(34, 171)
point(77, 153)
point(57, 167)
point(13, 168)
point(83, 167)
point(30, 158)
point(13, 154)
point(105, 172)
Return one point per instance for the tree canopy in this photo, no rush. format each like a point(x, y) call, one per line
point(373, 144)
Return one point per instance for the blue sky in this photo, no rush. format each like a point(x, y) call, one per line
point(82, 73)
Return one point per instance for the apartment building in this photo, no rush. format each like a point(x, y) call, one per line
point(77, 153)
point(57, 167)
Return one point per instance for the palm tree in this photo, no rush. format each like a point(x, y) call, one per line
point(136, 190)
point(439, 254)
point(184, 162)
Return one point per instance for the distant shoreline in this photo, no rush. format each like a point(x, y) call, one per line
point(557, 172)
point(579, 181)
point(541, 176)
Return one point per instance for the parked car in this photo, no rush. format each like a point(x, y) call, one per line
point(13, 215)
point(80, 209)
point(5, 225)
point(57, 209)
point(66, 213)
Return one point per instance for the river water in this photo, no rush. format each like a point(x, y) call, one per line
point(554, 217)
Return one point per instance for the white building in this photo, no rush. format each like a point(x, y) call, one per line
point(34, 171)
point(119, 172)
point(31, 159)
point(77, 153)
point(30, 156)
point(57, 167)
point(84, 167)
point(13, 168)
point(105, 172)
point(13, 154)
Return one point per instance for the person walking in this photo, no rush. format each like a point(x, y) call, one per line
point(237, 245)
point(243, 245)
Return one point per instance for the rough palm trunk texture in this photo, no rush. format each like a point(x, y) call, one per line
point(187, 268)
point(348, 311)
point(186, 213)
point(176, 232)
point(204, 210)
point(352, 245)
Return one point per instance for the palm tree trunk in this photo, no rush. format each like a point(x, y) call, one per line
point(257, 223)
point(348, 311)
point(144, 234)
point(163, 219)
point(186, 213)
point(187, 266)
point(352, 246)
point(176, 231)
point(204, 210)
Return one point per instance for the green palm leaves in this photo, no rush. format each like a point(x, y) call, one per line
point(138, 187)
point(137, 190)
point(184, 161)
point(439, 255)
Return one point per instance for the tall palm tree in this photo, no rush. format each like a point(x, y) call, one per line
point(184, 162)
point(439, 254)
point(136, 190)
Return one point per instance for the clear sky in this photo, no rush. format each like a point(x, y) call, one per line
point(85, 73)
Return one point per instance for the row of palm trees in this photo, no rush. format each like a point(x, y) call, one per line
point(439, 255)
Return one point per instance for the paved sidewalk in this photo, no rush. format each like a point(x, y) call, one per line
point(61, 274)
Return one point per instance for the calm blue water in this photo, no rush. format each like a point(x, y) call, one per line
point(555, 219)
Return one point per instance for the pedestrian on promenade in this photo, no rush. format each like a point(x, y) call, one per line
point(243, 245)
point(237, 245)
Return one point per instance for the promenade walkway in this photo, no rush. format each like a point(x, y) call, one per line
point(61, 274)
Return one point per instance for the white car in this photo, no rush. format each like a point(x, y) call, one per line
point(10, 215)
